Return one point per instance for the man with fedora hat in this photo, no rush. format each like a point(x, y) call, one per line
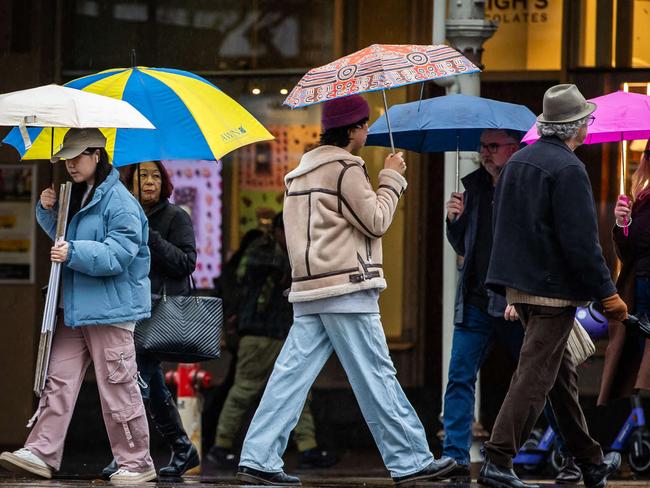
point(546, 260)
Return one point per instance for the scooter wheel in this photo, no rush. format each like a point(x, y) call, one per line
point(558, 461)
point(530, 445)
point(640, 464)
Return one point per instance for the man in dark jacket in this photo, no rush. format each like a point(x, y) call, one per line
point(547, 260)
point(264, 318)
point(478, 314)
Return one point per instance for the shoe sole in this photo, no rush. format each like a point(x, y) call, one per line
point(425, 477)
point(567, 482)
point(249, 478)
point(131, 480)
point(497, 484)
point(18, 465)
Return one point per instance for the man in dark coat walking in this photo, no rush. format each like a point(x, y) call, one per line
point(479, 313)
point(547, 260)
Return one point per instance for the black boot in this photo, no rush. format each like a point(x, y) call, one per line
point(109, 470)
point(168, 422)
point(497, 477)
point(595, 475)
point(570, 473)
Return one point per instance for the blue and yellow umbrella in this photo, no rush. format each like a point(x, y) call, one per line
point(194, 119)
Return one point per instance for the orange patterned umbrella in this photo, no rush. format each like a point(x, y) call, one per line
point(378, 67)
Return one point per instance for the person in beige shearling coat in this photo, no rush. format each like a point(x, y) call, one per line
point(334, 221)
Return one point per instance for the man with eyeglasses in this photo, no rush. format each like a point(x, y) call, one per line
point(478, 314)
point(546, 259)
point(479, 319)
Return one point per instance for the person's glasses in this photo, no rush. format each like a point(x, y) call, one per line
point(590, 120)
point(493, 147)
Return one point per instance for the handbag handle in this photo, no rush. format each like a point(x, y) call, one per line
point(190, 278)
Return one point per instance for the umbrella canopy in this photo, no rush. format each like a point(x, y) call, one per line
point(194, 119)
point(378, 67)
point(620, 116)
point(447, 123)
point(58, 106)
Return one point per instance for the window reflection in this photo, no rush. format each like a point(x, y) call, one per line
point(200, 34)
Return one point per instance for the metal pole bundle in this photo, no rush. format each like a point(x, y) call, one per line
point(52, 298)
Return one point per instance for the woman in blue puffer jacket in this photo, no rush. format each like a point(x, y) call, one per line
point(105, 290)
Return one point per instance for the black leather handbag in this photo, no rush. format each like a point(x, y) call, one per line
point(184, 329)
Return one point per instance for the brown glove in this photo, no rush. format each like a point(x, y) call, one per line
point(614, 308)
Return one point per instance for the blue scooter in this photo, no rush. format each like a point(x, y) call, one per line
point(542, 449)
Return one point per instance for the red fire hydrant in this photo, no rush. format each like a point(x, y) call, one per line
point(190, 379)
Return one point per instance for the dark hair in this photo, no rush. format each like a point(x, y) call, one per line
point(278, 222)
point(102, 171)
point(513, 134)
point(166, 187)
point(340, 136)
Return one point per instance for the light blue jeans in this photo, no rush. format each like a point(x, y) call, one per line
point(359, 342)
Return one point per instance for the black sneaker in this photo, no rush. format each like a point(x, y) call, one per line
point(222, 457)
point(254, 476)
point(316, 458)
point(435, 470)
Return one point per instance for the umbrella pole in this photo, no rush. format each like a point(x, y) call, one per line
point(457, 163)
point(390, 132)
point(52, 154)
point(623, 168)
point(421, 95)
point(622, 183)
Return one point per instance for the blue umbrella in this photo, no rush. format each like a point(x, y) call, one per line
point(448, 123)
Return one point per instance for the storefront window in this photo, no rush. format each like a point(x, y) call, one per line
point(633, 149)
point(529, 36)
point(641, 34)
point(200, 34)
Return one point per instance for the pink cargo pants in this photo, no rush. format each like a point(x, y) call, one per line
point(112, 352)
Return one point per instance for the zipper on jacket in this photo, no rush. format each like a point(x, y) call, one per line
point(308, 236)
point(368, 250)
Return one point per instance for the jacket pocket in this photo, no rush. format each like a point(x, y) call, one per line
point(120, 361)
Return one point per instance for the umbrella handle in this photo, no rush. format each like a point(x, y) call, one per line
point(626, 224)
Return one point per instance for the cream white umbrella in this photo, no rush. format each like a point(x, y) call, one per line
point(60, 106)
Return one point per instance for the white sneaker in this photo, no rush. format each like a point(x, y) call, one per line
point(124, 476)
point(24, 461)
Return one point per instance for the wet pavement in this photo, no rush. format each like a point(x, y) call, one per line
point(355, 469)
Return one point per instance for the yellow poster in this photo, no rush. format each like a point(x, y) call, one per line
point(17, 223)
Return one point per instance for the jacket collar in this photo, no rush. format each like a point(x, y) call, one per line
point(555, 141)
point(318, 157)
point(477, 179)
point(158, 207)
point(110, 181)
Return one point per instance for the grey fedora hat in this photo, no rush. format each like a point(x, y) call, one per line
point(563, 104)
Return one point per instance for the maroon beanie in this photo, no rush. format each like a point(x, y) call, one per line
point(344, 111)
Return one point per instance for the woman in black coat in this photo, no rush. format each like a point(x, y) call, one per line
point(173, 259)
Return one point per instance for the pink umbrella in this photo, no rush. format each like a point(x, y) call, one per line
point(620, 116)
